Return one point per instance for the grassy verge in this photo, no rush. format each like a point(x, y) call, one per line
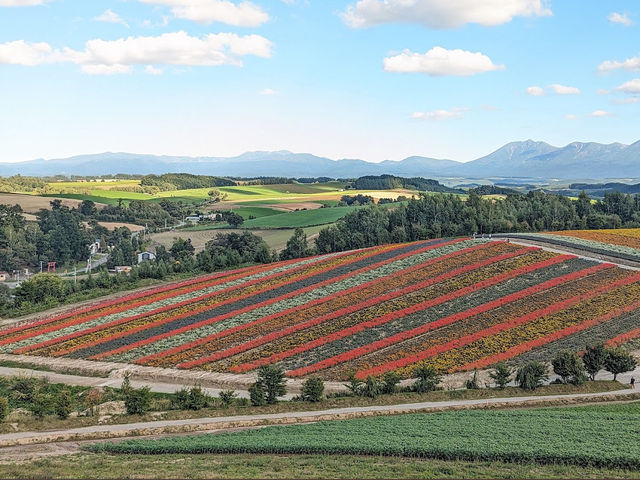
point(288, 466)
point(45, 368)
point(50, 422)
point(604, 437)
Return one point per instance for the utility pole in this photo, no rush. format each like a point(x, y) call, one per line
point(40, 266)
point(75, 274)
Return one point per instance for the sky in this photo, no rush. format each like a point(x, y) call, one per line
point(368, 79)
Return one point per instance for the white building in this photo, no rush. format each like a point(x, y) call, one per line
point(146, 256)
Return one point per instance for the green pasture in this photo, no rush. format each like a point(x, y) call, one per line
point(301, 218)
point(97, 185)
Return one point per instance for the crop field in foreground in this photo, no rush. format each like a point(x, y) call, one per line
point(456, 304)
point(602, 436)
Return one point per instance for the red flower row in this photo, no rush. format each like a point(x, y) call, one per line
point(460, 342)
point(388, 317)
point(122, 303)
point(344, 311)
point(265, 303)
point(409, 334)
point(625, 337)
point(166, 308)
point(539, 342)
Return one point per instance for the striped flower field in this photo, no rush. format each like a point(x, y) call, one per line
point(456, 304)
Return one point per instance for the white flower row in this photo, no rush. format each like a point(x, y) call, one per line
point(320, 292)
point(151, 306)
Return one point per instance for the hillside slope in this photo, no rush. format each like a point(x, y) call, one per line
point(456, 304)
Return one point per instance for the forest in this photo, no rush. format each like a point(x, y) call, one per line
point(442, 215)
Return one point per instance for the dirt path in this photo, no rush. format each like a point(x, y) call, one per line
point(114, 382)
point(238, 421)
point(552, 247)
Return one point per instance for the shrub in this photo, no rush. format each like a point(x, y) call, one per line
point(197, 399)
point(41, 405)
point(593, 359)
point(312, 389)
point(138, 401)
point(4, 408)
point(227, 397)
point(472, 383)
point(569, 367)
point(257, 394)
point(354, 385)
point(181, 399)
point(63, 404)
point(531, 375)
point(126, 383)
point(390, 381)
point(428, 378)
point(618, 360)
point(501, 375)
point(371, 387)
point(92, 399)
point(273, 382)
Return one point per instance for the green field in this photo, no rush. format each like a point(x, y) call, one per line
point(301, 218)
point(285, 467)
point(597, 436)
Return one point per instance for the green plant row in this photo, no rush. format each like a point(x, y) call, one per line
point(574, 436)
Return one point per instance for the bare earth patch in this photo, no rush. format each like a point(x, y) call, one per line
point(292, 207)
point(33, 203)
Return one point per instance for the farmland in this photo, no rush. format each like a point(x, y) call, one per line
point(576, 436)
point(126, 190)
point(455, 304)
point(275, 238)
point(623, 243)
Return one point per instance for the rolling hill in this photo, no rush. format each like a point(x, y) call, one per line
point(523, 160)
point(455, 304)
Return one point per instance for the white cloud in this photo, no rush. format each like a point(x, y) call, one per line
point(564, 90)
point(103, 69)
point(151, 70)
point(600, 114)
point(109, 16)
point(632, 86)
point(621, 18)
point(119, 56)
point(441, 13)
point(627, 101)
point(439, 61)
point(20, 52)
point(632, 63)
point(603, 91)
point(268, 91)
point(456, 112)
point(535, 91)
point(22, 3)
point(570, 116)
point(243, 14)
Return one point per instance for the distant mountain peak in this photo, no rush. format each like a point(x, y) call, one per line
point(528, 159)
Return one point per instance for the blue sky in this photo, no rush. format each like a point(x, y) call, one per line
point(370, 79)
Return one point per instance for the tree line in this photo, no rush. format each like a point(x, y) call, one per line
point(445, 215)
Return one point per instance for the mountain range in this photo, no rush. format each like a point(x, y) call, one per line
point(518, 160)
